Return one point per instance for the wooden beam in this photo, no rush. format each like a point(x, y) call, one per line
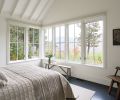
point(44, 12)
point(25, 8)
point(35, 8)
point(2, 5)
point(14, 7)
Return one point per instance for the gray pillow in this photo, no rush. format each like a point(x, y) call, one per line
point(2, 83)
point(3, 77)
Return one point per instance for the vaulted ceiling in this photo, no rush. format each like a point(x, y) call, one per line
point(32, 11)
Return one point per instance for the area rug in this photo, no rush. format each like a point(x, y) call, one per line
point(82, 93)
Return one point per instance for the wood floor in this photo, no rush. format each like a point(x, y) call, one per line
point(101, 90)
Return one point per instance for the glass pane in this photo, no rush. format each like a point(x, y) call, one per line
point(71, 33)
point(13, 34)
point(94, 43)
point(46, 50)
point(77, 52)
point(57, 34)
point(71, 51)
point(62, 33)
point(57, 54)
point(78, 32)
point(30, 52)
point(30, 34)
point(46, 36)
point(20, 34)
point(50, 34)
point(36, 50)
point(62, 50)
point(20, 51)
point(13, 51)
point(36, 36)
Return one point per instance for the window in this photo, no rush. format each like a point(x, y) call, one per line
point(74, 42)
point(60, 42)
point(80, 41)
point(24, 43)
point(17, 43)
point(33, 44)
point(48, 43)
point(94, 42)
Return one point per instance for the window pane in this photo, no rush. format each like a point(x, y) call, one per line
point(62, 50)
point(48, 41)
point(30, 52)
point(36, 36)
point(13, 34)
point(36, 50)
point(57, 34)
point(78, 32)
point(13, 51)
point(30, 35)
point(77, 52)
point(57, 54)
point(20, 34)
point(62, 33)
point(20, 51)
point(94, 42)
point(71, 51)
point(71, 33)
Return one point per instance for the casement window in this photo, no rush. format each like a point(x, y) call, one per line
point(74, 51)
point(17, 41)
point(60, 42)
point(94, 42)
point(23, 43)
point(33, 43)
point(48, 41)
point(80, 41)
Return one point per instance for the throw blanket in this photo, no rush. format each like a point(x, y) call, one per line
point(26, 82)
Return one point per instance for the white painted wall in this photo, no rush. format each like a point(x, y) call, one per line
point(64, 10)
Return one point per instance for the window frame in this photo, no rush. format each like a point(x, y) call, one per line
point(26, 26)
point(83, 21)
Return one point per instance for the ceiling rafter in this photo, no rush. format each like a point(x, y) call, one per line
point(33, 11)
point(2, 5)
point(44, 12)
point(43, 8)
point(25, 8)
point(14, 7)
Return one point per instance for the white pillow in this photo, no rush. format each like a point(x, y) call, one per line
point(3, 76)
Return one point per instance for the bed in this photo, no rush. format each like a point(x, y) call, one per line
point(27, 82)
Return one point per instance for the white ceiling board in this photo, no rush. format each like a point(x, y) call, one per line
point(20, 7)
point(44, 12)
point(30, 8)
point(39, 9)
point(1, 5)
point(8, 6)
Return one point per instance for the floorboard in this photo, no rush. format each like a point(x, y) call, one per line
point(101, 90)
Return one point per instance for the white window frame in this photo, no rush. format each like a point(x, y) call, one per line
point(82, 21)
point(26, 26)
point(59, 26)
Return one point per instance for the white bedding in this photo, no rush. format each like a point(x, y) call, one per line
point(26, 82)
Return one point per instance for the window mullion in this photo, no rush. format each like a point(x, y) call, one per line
point(17, 43)
point(26, 44)
point(67, 42)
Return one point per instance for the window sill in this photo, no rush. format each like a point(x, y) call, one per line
point(77, 63)
point(22, 61)
point(86, 65)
